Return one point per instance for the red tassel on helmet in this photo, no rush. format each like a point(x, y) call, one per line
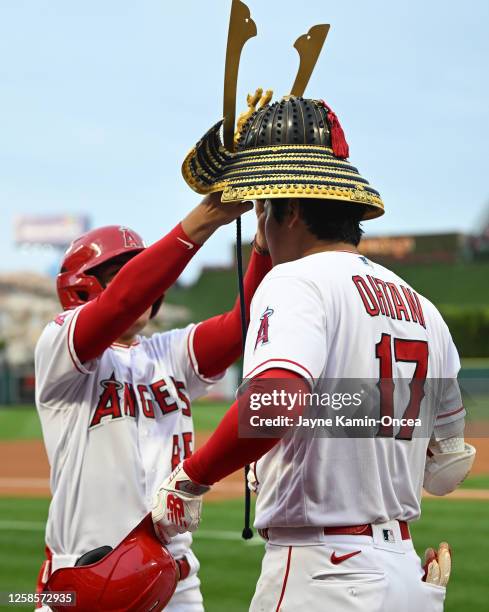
point(338, 139)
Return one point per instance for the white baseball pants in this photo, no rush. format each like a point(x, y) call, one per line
point(334, 577)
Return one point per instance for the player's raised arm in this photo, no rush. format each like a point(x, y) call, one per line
point(217, 342)
point(140, 283)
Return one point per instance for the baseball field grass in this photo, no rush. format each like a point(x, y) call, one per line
point(22, 422)
point(231, 566)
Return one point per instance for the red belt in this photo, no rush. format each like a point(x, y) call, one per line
point(360, 530)
point(365, 530)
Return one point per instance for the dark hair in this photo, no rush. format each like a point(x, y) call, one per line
point(328, 219)
point(100, 271)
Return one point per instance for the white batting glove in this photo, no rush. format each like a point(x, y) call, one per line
point(438, 565)
point(251, 478)
point(177, 505)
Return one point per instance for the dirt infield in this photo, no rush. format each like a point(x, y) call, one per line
point(24, 471)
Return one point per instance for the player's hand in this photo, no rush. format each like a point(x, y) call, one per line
point(437, 565)
point(260, 237)
point(177, 505)
point(210, 214)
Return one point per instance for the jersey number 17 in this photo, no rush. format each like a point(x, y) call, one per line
point(413, 351)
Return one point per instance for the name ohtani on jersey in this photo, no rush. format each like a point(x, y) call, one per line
point(337, 316)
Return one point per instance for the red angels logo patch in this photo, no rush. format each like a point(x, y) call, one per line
point(60, 319)
point(130, 240)
point(262, 336)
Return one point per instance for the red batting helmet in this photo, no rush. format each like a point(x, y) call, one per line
point(75, 283)
point(138, 575)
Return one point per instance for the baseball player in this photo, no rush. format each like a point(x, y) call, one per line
point(115, 407)
point(335, 511)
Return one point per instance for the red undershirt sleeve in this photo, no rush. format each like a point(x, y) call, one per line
point(225, 451)
point(218, 341)
point(134, 289)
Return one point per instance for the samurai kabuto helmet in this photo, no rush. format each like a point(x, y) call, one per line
point(294, 148)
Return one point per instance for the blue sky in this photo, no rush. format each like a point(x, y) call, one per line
point(100, 101)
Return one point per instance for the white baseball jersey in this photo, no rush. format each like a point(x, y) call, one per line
point(337, 315)
point(114, 429)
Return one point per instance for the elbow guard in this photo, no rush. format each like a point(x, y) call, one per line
point(447, 465)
